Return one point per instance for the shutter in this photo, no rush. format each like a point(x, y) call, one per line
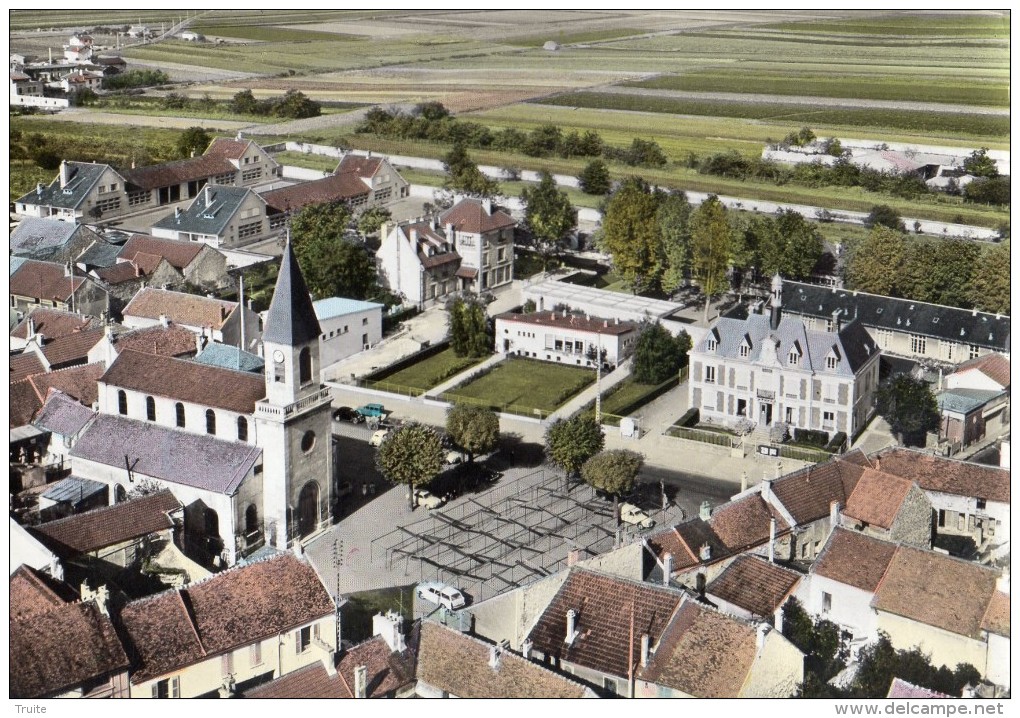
point(816, 388)
point(297, 642)
point(750, 380)
point(729, 403)
point(843, 394)
point(696, 398)
point(696, 372)
point(720, 404)
point(155, 690)
point(803, 388)
point(175, 687)
point(733, 375)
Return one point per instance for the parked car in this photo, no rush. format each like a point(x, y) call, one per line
point(427, 499)
point(346, 413)
point(378, 437)
point(371, 411)
point(631, 514)
point(441, 594)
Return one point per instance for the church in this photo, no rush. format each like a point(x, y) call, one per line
point(249, 456)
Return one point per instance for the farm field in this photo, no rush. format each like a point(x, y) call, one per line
point(524, 386)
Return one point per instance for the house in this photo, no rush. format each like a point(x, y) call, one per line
point(417, 262)
point(78, 48)
point(383, 184)
point(903, 327)
point(51, 240)
point(975, 401)
point(229, 632)
point(707, 654)
point(64, 351)
point(220, 216)
point(217, 319)
point(557, 293)
point(889, 507)
point(484, 238)
point(124, 279)
point(72, 495)
point(51, 323)
point(110, 538)
point(252, 163)
point(26, 91)
point(26, 553)
point(167, 263)
point(453, 664)
point(969, 499)
point(82, 190)
point(990, 372)
point(753, 588)
point(28, 394)
point(775, 369)
point(336, 316)
point(64, 419)
point(170, 340)
point(47, 284)
point(568, 338)
point(79, 80)
point(177, 181)
point(61, 649)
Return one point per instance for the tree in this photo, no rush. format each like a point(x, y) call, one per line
point(885, 216)
point(674, 220)
point(658, 355)
point(469, 336)
point(244, 103)
point(710, 247)
point(571, 442)
point(801, 245)
point(993, 190)
point(465, 175)
point(876, 262)
point(951, 272)
point(193, 140)
point(980, 164)
point(295, 105)
point(594, 178)
point(412, 455)
point(613, 472)
point(909, 406)
point(990, 281)
point(824, 645)
point(332, 265)
point(548, 211)
point(630, 233)
point(432, 111)
point(880, 662)
point(474, 429)
point(372, 219)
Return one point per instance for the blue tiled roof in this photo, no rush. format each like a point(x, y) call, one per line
point(40, 238)
point(73, 489)
point(339, 306)
point(15, 263)
point(230, 357)
point(81, 178)
point(209, 213)
point(964, 401)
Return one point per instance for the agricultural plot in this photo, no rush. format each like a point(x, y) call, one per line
point(523, 386)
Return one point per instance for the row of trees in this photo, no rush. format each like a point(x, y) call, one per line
point(953, 272)
point(135, 78)
point(293, 104)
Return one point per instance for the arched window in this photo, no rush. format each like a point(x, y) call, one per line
point(180, 414)
point(305, 365)
point(150, 408)
point(242, 429)
point(122, 402)
point(251, 519)
point(119, 494)
point(210, 422)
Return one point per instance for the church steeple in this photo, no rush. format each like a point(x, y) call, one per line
point(291, 317)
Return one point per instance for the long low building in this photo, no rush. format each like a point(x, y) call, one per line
point(564, 337)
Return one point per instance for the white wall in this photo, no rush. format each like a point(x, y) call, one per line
point(343, 336)
point(851, 607)
point(615, 345)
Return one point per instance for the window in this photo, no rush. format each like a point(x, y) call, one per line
point(250, 175)
point(884, 337)
point(179, 408)
point(249, 230)
point(826, 601)
point(122, 402)
point(710, 375)
point(711, 345)
point(744, 350)
point(961, 522)
point(609, 684)
point(169, 688)
point(982, 503)
point(255, 654)
point(242, 429)
point(383, 194)
point(828, 417)
point(137, 198)
point(227, 664)
point(210, 422)
point(108, 205)
point(278, 371)
point(918, 344)
point(794, 359)
point(307, 441)
point(302, 639)
point(150, 408)
point(830, 362)
point(305, 365)
point(364, 340)
point(973, 351)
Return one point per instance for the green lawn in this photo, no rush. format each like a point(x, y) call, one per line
point(524, 386)
point(430, 372)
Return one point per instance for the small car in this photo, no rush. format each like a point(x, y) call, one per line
point(378, 437)
point(631, 514)
point(346, 413)
point(441, 594)
point(371, 411)
point(455, 457)
point(427, 499)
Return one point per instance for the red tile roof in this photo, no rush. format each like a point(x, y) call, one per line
point(902, 689)
point(877, 498)
point(358, 165)
point(43, 280)
point(227, 147)
point(936, 590)
point(996, 618)
point(808, 493)
point(25, 365)
point(53, 323)
point(334, 188)
point(61, 649)
point(994, 366)
point(745, 522)
point(172, 341)
point(71, 348)
point(188, 309)
point(459, 664)
point(120, 272)
point(603, 604)
point(174, 173)
point(109, 525)
point(564, 320)
point(469, 215)
point(28, 396)
point(754, 584)
point(223, 613)
point(388, 671)
point(29, 593)
point(703, 653)
point(854, 559)
point(185, 380)
point(948, 476)
point(312, 681)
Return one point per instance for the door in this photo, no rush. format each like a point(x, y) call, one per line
point(766, 413)
point(308, 509)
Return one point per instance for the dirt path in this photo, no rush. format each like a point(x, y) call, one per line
point(805, 100)
point(77, 114)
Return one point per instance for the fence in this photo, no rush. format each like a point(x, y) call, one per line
point(706, 437)
point(516, 409)
point(386, 386)
point(801, 453)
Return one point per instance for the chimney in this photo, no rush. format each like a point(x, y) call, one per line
point(39, 188)
point(526, 649)
point(833, 514)
point(193, 153)
point(30, 329)
point(777, 301)
point(1002, 582)
point(223, 313)
point(389, 626)
point(772, 540)
point(837, 323)
point(779, 469)
point(487, 205)
point(451, 233)
point(766, 490)
point(573, 556)
point(65, 174)
point(177, 214)
point(414, 236)
point(743, 481)
point(384, 230)
point(645, 645)
point(763, 630)
point(494, 657)
point(1004, 455)
point(571, 626)
point(360, 681)
point(705, 552)
point(240, 136)
point(667, 568)
point(605, 323)
point(164, 320)
point(705, 513)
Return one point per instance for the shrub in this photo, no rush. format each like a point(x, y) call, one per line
point(811, 436)
point(837, 441)
point(690, 417)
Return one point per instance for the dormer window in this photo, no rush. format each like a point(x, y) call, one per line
point(711, 344)
point(744, 350)
point(794, 359)
point(831, 361)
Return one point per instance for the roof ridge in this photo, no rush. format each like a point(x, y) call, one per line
point(109, 507)
point(851, 293)
point(190, 613)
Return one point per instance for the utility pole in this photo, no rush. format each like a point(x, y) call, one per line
point(338, 562)
point(598, 379)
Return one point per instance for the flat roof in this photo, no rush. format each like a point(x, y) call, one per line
point(597, 300)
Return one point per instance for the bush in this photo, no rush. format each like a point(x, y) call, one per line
point(690, 418)
point(836, 443)
point(811, 436)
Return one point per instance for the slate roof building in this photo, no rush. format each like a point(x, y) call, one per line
point(51, 240)
point(220, 216)
point(775, 369)
point(64, 418)
point(81, 191)
point(230, 632)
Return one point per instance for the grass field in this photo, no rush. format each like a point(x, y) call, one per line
point(431, 372)
point(524, 386)
point(567, 38)
point(263, 33)
point(932, 25)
